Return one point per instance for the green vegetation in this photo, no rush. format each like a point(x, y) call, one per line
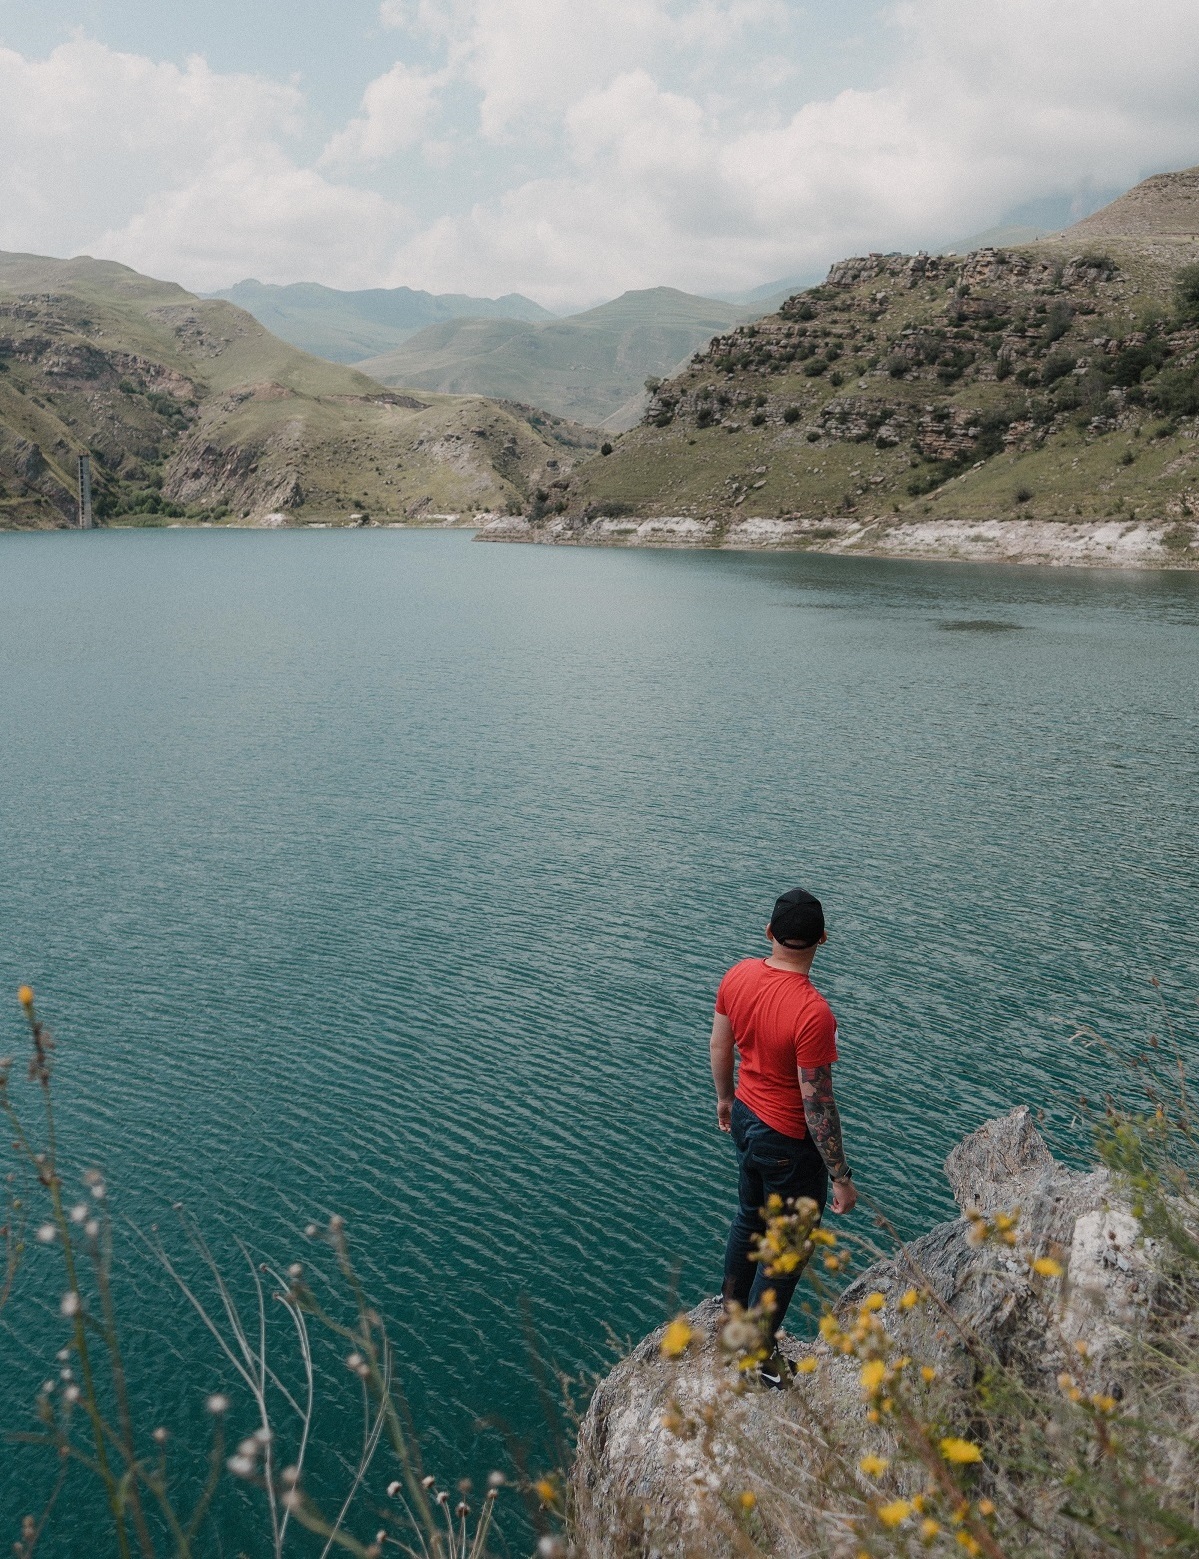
point(191, 411)
point(591, 367)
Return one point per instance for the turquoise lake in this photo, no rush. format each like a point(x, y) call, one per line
point(392, 875)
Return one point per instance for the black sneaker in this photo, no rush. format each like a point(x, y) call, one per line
point(775, 1372)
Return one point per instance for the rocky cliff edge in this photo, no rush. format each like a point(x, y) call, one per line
point(668, 1446)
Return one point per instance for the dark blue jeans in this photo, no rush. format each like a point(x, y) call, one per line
point(768, 1163)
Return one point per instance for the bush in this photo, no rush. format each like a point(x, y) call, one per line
point(815, 367)
point(1057, 367)
point(758, 419)
point(1023, 495)
point(704, 417)
point(605, 448)
point(1186, 293)
point(1057, 322)
point(791, 414)
point(1175, 392)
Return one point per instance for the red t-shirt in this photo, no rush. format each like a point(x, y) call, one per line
point(780, 1023)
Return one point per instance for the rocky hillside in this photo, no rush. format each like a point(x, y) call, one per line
point(191, 410)
point(1036, 402)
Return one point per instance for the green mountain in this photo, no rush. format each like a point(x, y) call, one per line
point(348, 326)
point(1055, 382)
point(589, 367)
point(191, 409)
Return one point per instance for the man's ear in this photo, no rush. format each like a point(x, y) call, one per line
point(823, 939)
point(770, 931)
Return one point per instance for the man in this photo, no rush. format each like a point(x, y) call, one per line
point(782, 1115)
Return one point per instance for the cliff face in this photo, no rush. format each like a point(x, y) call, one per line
point(665, 1446)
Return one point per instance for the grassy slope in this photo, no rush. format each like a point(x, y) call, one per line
point(586, 367)
point(827, 466)
point(346, 327)
point(196, 401)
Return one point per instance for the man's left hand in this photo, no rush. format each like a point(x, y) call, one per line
point(724, 1114)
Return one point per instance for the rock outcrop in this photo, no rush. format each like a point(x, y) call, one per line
point(665, 1446)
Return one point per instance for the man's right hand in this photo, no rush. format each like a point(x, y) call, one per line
point(845, 1196)
point(724, 1114)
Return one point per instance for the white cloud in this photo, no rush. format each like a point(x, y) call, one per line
point(612, 144)
point(180, 171)
point(396, 111)
point(653, 185)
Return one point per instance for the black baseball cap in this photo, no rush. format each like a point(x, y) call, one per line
point(798, 919)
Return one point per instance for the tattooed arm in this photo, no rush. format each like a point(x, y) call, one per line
point(820, 1108)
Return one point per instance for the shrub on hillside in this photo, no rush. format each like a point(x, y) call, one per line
point(1176, 392)
point(1186, 293)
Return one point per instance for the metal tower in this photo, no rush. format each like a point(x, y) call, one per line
point(85, 492)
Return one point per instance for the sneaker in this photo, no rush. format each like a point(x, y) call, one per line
point(775, 1372)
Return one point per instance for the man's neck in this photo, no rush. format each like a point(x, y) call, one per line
point(793, 960)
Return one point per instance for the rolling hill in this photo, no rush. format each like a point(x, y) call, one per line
point(1038, 400)
point(590, 367)
point(348, 326)
point(192, 410)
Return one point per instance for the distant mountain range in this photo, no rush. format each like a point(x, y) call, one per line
point(348, 326)
point(191, 410)
point(590, 367)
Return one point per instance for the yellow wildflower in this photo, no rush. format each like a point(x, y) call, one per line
point(25, 995)
point(897, 1511)
point(910, 1297)
point(1046, 1267)
point(822, 1237)
point(954, 1449)
point(1102, 1403)
point(748, 1500)
point(927, 1374)
point(784, 1263)
point(986, 1508)
point(831, 1264)
point(873, 1415)
point(676, 1338)
point(929, 1529)
point(918, 1504)
point(807, 1366)
point(874, 1466)
point(1005, 1221)
point(1082, 1347)
point(545, 1490)
point(873, 1302)
point(829, 1329)
point(774, 1203)
point(873, 1374)
point(970, 1544)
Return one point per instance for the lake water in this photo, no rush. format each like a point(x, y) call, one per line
point(393, 875)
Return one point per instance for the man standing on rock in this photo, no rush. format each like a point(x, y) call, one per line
point(782, 1114)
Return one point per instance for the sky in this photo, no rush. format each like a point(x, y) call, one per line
point(569, 149)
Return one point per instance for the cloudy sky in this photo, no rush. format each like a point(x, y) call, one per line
point(568, 149)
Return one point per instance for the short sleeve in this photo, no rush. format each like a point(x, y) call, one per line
point(816, 1039)
point(722, 997)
